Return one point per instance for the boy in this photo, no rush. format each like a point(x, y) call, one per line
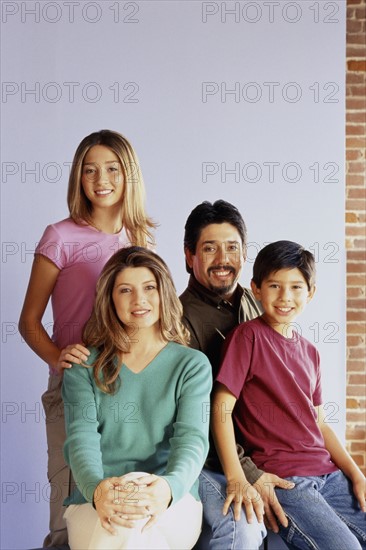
point(272, 377)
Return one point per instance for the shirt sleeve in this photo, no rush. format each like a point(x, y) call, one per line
point(317, 394)
point(189, 444)
point(236, 360)
point(52, 247)
point(82, 446)
point(193, 341)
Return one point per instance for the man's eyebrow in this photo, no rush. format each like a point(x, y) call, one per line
point(221, 242)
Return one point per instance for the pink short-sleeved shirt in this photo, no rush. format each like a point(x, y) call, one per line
point(277, 385)
point(80, 252)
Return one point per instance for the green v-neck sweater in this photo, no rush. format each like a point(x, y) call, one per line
point(157, 422)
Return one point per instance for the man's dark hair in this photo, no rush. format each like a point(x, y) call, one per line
point(284, 255)
point(206, 213)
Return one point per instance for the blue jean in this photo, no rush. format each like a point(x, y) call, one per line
point(223, 532)
point(323, 514)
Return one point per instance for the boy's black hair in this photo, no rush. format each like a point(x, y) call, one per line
point(206, 213)
point(284, 255)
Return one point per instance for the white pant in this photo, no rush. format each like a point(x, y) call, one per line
point(178, 528)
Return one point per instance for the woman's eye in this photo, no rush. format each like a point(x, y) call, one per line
point(151, 287)
point(124, 290)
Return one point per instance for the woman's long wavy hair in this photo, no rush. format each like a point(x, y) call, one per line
point(106, 332)
point(135, 220)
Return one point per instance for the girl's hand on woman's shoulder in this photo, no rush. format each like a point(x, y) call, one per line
point(73, 353)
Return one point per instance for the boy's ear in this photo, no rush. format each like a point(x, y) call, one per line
point(256, 291)
point(189, 257)
point(311, 293)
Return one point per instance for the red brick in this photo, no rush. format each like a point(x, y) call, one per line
point(360, 12)
point(359, 459)
point(355, 180)
point(357, 193)
point(357, 379)
point(351, 2)
point(356, 353)
point(355, 78)
point(354, 390)
point(353, 341)
point(356, 267)
point(356, 280)
point(356, 434)
point(356, 304)
point(356, 255)
point(354, 52)
point(358, 446)
point(355, 103)
point(356, 416)
point(356, 366)
point(356, 167)
point(354, 142)
point(356, 316)
point(355, 89)
point(354, 292)
point(359, 116)
point(351, 217)
point(353, 38)
point(352, 403)
point(353, 26)
point(355, 129)
point(355, 230)
point(353, 154)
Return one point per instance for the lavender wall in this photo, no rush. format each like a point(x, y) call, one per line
point(236, 100)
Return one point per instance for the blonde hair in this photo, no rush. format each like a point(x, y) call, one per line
point(106, 332)
point(135, 220)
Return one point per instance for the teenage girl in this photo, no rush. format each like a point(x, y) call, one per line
point(106, 205)
point(140, 406)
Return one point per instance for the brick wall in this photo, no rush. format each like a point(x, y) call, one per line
point(355, 230)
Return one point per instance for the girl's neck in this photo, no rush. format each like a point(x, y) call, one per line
point(107, 220)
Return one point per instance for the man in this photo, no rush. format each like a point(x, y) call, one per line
point(213, 304)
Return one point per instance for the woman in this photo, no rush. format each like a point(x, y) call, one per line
point(140, 408)
point(106, 204)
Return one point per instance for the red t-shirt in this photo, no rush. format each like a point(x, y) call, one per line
point(276, 381)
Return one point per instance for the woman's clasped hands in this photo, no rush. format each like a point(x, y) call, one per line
point(127, 499)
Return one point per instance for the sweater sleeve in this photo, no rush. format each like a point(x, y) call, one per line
point(82, 446)
point(189, 443)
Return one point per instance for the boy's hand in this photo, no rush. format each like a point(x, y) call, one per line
point(359, 490)
point(242, 493)
point(265, 486)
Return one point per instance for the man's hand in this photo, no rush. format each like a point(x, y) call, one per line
point(265, 486)
point(241, 494)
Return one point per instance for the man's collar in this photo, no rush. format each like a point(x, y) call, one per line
point(212, 297)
